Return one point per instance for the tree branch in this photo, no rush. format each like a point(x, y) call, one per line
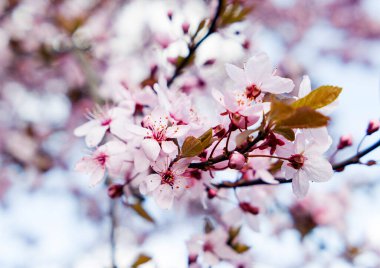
point(193, 47)
point(355, 159)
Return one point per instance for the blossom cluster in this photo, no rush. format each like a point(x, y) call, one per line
point(156, 138)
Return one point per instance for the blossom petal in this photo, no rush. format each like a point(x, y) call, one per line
point(179, 186)
point(253, 222)
point(141, 161)
point(277, 85)
point(141, 131)
point(258, 68)
point(97, 176)
point(318, 169)
point(236, 74)
point(305, 87)
point(86, 165)
point(85, 128)
point(150, 183)
point(266, 176)
point(168, 147)
point(164, 196)
point(177, 131)
point(95, 136)
point(151, 148)
point(300, 184)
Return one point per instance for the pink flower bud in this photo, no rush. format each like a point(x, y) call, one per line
point(345, 141)
point(209, 62)
point(211, 193)
point(115, 190)
point(185, 27)
point(172, 60)
point(236, 161)
point(170, 14)
point(373, 126)
point(248, 208)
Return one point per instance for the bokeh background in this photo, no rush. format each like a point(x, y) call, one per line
point(58, 57)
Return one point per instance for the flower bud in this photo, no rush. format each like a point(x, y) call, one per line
point(211, 193)
point(115, 190)
point(373, 126)
point(185, 27)
point(170, 14)
point(247, 207)
point(236, 161)
point(344, 141)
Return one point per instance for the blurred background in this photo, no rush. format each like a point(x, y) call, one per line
point(59, 57)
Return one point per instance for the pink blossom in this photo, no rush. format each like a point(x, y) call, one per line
point(248, 210)
point(167, 183)
point(306, 163)
point(111, 156)
point(95, 129)
point(212, 247)
point(157, 132)
point(257, 77)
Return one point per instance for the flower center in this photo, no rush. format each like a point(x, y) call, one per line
point(101, 159)
point(106, 121)
point(208, 247)
point(252, 92)
point(167, 178)
point(296, 161)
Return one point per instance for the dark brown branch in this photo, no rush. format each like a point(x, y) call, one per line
point(355, 159)
point(193, 47)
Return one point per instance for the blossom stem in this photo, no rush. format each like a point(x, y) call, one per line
point(194, 47)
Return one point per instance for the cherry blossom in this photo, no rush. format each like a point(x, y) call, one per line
point(168, 183)
point(111, 157)
point(157, 133)
point(306, 163)
point(257, 77)
point(212, 247)
point(95, 129)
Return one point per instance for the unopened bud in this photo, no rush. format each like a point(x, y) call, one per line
point(345, 141)
point(185, 27)
point(173, 60)
point(170, 14)
point(236, 161)
point(211, 193)
point(373, 126)
point(115, 190)
point(371, 163)
point(247, 207)
point(192, 258)
point(209, 62)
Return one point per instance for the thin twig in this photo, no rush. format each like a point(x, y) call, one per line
point(193, 47)
point(113, 220)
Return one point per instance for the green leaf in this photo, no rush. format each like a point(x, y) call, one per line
point(240, 248)
point(233, 233)
point(304, 117)
point(191, 147)
point(141, 259)
point(319, 97)
point(142, 212)
point(279, 110)
point(287, 133)
point(206, 139)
